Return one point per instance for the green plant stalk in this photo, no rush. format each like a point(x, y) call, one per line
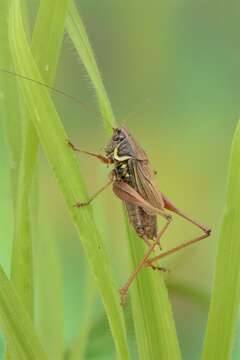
point(21, 262)
point(79, 347)
point(236, 347)
point(48, 30)
point(65, 167)
point(13, 121)
point(82, 343)
point(11, 114)
point(78, 35)
point(154, 325)
point(21, 269)
point(46, 45)
point(50, 306)
point(226, 286)
point(16, 324)
point(152, 313)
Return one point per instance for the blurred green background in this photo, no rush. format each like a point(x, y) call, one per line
point(171, 69)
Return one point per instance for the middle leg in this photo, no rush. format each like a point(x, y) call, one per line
point(81, 204)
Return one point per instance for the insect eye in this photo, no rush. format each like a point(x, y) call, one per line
point(118, 137)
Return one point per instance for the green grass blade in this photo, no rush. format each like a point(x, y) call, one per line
point(152, 314)
point(22, 266)
point(11, 116)
point(13, 128)
point(64, 164)
point(16, 324)
point(226, 287)
point(22, 257)
point(77, 32)
point(46, 44)
point(154, 325)
point(48, 30)
point(48, 35)
point(79, 347)
point(49, 295)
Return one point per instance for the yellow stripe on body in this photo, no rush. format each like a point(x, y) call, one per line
point(120, 158)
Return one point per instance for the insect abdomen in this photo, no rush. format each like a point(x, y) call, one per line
point(144, 224)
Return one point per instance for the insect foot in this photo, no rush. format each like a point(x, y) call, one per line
point(123, 294)
point(159, 268)
point(80, 204)
point(168, 217)
point(70, 144)
point(208, 231)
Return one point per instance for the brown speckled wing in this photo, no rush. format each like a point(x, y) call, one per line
point(144, 183)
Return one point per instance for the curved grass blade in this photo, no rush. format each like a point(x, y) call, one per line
point(50, 298)
point(51, 33)
point(11, 114)
point(48, 29)
point(78, 35)
point(14, 130)
point(17, 325)
point(152, 313)
point(64, 164)
point(226, 286)
point(46, 45)
point(154, 325)
point(79, 347)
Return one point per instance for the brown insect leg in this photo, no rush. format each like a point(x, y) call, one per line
point(81, 204)
point(128, 194)
point(124, 290)
point(147, 242)
point(174, 250)
point(170, 206)
point(100, 157)
point(159, 268)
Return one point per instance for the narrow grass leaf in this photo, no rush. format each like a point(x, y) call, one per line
point(79, 347)
point(10, 110)
point(152, 313)
point(64, 164)
point(49, 295)
point(154, 325)
point(51, 34)
point(226, 286)
point(13, 128)
point(78, 35)
point(17, 325)
point(46, 45)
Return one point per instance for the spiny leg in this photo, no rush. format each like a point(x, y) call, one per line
point(169, 205)
point(158, 243)
point(100, 157)
point(81, 204)
point(150, 262)
point(124, 289)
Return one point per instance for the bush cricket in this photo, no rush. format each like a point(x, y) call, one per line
point(133, 182)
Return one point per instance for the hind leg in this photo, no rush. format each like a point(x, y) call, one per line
point(124, 289)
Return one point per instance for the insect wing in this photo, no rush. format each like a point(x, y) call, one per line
point(145, 185)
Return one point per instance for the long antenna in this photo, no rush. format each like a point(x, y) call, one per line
point(73, 98)
point(134, 111)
